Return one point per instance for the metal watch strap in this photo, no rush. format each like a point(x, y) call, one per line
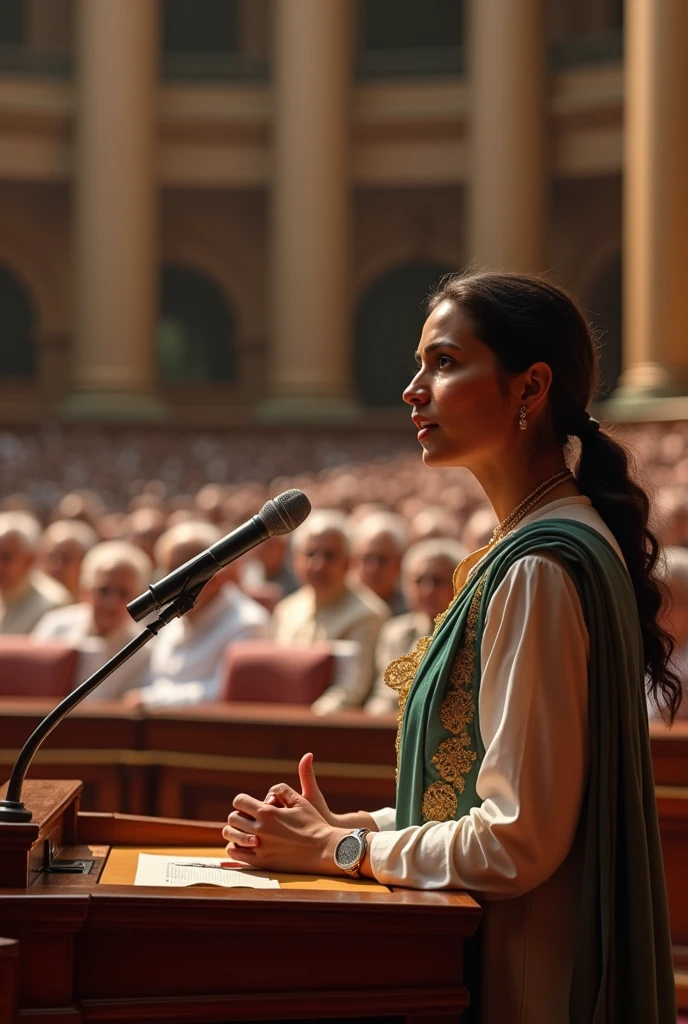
point(355, 869)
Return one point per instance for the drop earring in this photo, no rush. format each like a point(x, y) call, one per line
point(522, 421)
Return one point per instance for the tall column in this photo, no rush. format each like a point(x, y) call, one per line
point(115, 209)
point(655, 200)
point(508, 184)
point(310, 355)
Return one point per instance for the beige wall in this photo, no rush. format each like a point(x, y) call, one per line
point(409, 166)
point(393, 227)
point(224, 235)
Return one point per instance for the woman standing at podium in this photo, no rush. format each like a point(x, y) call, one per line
point(524, 763)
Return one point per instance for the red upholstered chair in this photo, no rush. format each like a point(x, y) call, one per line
point(31, 669)
point(258, 670)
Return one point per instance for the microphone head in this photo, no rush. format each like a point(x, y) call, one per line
point(285, 512)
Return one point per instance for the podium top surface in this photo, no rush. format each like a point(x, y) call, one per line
point(121, 864)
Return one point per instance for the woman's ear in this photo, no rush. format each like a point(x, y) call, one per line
point(534, 386)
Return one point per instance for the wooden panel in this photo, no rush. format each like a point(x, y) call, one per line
point(135, 830)
point(272, 731)
point(417, 942)
point(191, 762)
point(95, 726)
point(672, 804)
point(670, 754)
point(189, 792)
point(45, 926)
point(247, 748)
point(205, 951)
point(9, 980)
point(91, 744)
point(23, 844)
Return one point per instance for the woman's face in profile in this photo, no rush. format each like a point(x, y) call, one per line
point(460, 410)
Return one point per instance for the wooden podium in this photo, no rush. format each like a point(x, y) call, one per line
point(103, 950)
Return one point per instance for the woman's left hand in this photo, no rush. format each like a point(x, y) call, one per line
point(288, 835)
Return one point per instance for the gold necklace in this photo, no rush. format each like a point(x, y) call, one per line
point(529, 502)
point(512, 520)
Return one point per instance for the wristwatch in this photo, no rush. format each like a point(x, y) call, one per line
point(350, 852)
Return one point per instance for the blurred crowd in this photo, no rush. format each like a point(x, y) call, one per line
point(368, 571)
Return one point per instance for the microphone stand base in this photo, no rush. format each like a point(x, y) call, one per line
point(14, 811)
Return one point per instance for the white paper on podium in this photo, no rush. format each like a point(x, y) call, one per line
point(160, 869)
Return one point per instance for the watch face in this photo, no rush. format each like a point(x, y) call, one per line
point(348, 851)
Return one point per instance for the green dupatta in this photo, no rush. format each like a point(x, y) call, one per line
point(623, 967)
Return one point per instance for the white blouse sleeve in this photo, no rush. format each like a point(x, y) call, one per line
point(533, 721)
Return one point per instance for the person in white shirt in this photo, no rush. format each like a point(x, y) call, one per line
point(62, 549)
point(427, 573)
point(26, 593)
point(378, 544)
point(113, 573)
point(525, 773)
point(187, 658)
point(326, 607)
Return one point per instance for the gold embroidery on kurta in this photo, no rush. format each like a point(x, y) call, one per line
point(439, 802)
point(457, 707)
point(454, 759)
point(399, 675)
point(455, 756)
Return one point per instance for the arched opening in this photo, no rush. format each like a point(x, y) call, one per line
point(195, 338)
point(389, 321)
point(605, 311)
point(205, 40)
point(585, 31)
point(398, 37)
point(17, 321)
point(200, 26)
point(12, 17)
point(406, 24)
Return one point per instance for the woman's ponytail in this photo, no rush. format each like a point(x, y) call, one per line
point(602, 473)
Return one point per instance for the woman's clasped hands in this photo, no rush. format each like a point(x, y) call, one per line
point(288, 831)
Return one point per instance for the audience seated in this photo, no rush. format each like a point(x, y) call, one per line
point(379, 541)
point(432, 521)
point(427, 576)
point(144, 527)
point(479, 528)
point(84, 505)
point(186, 662)
point(142, 483)
point(326, 607)
point(26, 593)
point(112, 574)
point(270, 563)
point(61, 552)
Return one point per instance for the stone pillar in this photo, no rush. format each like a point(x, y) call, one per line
point(115, 211)
point(508, 182)
point(311, 333)
point(655, 201)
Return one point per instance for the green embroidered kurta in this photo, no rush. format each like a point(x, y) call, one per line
point(623, 967)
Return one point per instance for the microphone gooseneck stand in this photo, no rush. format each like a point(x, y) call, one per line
point(11, 808)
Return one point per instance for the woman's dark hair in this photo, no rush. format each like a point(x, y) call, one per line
point(525, 320)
